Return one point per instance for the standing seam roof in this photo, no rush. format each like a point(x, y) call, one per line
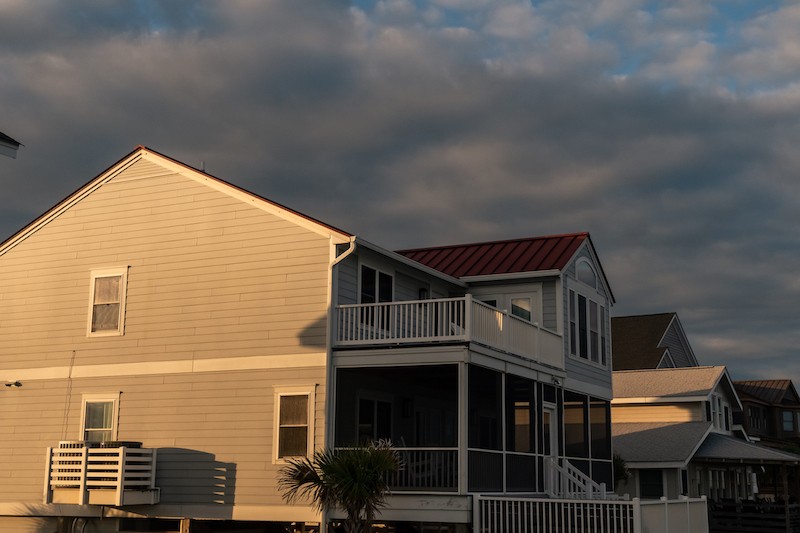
point(500, 257)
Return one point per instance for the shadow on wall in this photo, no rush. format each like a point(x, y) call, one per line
point(315, 334)
point(191, 477)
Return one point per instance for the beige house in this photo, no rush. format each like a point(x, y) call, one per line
point(168, 340)
point(674, 429)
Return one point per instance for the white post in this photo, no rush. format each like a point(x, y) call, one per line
point(476, 512)
point(84, 460)
point(468, 333)
point(637, 516)
point(666, 513)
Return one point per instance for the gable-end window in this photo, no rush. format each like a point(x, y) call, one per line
point(788, 421)
point(587, 327)
point(107, 302)
point(294, 422)
point(585, 274)
point(99, 417)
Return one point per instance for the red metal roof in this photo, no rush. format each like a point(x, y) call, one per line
point(500, 257)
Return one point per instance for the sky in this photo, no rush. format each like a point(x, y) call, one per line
point(668, 130)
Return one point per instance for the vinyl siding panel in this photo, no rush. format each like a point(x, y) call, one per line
point(196, 257)
point(549, 306)
point(211, 279)
point(657, 413)
point(213, 431)
point(676, 348)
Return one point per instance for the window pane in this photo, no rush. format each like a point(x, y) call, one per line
point(576, 435)
point(367, 285)
point(106, 290)
point(105, 317)
point(573, 340)
point(586, 274)
point(594, 337)
point(294, 410)
point(98, 415)
point(521, 307)
point(293, 441)
point(582, 333)
point(384, 287)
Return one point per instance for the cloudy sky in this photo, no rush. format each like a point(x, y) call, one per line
point(667, 129)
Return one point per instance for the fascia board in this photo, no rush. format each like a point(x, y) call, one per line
point(512, 276)
point(656, 464)
point(658, 399)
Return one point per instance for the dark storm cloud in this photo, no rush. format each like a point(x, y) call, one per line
point(416, 123)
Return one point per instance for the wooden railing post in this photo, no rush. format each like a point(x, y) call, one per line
point(48, 469)
point(637, 516)
point(468, 333)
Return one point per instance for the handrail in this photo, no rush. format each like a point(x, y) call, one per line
point(566, 481)
point(461, 319)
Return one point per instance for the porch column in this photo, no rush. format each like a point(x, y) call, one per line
point(785, 483)
point(463, 435)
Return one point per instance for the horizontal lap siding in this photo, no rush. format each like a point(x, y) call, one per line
point(209, 274)
point(213, 431)
point(657, 413)
point(210, 277)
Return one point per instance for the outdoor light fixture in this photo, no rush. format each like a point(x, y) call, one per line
point(13, 384)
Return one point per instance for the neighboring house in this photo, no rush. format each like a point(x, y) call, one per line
point(8, 146)
point(673, 427)
point(168, 341)
point(650, 341)
point(770, 411)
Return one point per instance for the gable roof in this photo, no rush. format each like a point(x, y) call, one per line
point(772, 391)
point(693, 381)
point(500, 257)
point(142, 152)
point(635, 340)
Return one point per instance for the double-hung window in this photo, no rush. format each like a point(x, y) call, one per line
point(99, 417)
point(294, 422)
point(107, 302)
point(587, 325)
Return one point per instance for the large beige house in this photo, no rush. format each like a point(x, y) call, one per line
point(168, 340)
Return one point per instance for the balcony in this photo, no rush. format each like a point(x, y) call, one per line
point(100, 474)
point(446, 320)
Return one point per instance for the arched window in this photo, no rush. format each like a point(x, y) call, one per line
point(585, 274)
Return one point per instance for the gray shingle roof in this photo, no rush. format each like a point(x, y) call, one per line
point(658, 442)
point(666, 382)
point(718, 447)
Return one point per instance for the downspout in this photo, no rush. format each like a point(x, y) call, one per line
point(329, 373)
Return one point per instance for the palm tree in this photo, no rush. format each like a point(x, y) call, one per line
point(352, 479)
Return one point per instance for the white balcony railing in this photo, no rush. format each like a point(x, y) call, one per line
point(90, 473)
point(446, 320)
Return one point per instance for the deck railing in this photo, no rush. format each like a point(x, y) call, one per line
point(495, 514)
point(426, 470)
point(90, 473)
point(446, 320)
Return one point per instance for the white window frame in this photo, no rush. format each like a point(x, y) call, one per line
point(112, 397)
point(301, 390)
point(591, 294)
point(122, 273)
